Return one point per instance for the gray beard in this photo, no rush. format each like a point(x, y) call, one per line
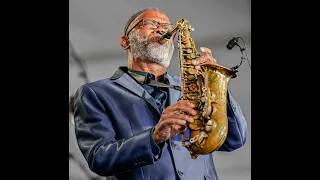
point(146, 50)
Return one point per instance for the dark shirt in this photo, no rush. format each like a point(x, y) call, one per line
point(160, 94)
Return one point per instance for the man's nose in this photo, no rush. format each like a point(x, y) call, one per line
point(160, 31)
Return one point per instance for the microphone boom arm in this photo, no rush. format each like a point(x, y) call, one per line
point(234, 42)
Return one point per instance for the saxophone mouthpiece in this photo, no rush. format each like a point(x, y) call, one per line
point(165, 37)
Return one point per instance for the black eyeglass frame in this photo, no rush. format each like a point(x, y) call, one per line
point(154, 22)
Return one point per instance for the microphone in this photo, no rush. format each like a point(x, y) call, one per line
point(233, 42)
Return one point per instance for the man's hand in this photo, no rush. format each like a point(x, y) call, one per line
point(206, 58)
point(171, 121)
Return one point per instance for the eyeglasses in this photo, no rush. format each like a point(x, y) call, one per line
point(151, 24)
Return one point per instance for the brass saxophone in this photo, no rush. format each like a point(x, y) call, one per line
point(207, 89)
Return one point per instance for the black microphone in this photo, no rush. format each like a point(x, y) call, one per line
point(232, 43)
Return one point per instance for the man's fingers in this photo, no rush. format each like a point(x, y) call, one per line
point(173, 121)
point(182, 105)
point(186, 102)
point(206, 50)
point(206, 58)
point(184, 108)
point(173, 115)
point(177, 128)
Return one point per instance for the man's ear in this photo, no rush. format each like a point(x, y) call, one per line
point(124, 42)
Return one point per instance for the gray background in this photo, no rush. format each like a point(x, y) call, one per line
point(97, 25)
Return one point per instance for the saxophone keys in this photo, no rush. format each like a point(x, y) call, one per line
point(199, 139)
point(184, 129)
point(192, 140)
point(199, 73)
point(212, 98)
point(196, 125)
point(194, 156)
point(191, 71)
point(209, 126)
point(190, 50)
point(191, 77)
point(196, 104)
point(193, 86)
point(186, 39)
point(188, 62)
point(189, 56)
point(196, 118)
point(188, 44)
point(193, 96)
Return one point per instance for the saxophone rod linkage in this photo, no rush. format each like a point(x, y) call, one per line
point(165, 37)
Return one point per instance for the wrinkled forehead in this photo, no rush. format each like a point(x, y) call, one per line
point(155, 15)
point(149, 14)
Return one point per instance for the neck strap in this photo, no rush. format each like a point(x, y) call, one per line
point(145, 79)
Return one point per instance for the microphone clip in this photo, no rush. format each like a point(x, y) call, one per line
point(234, 71)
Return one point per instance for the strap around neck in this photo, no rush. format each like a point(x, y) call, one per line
point(144, 79)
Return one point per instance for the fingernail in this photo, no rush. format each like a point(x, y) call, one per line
point(198, 67)
point(192, 105)
point(194, 62)
point(202, 49)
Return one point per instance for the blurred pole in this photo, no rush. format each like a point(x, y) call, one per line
point(83, 73)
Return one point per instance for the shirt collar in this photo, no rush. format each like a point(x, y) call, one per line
point(143, 77)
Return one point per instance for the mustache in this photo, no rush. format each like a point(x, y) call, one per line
point(155, 38)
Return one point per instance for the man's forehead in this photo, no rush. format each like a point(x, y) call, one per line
point(155, 15)
point(147, 13)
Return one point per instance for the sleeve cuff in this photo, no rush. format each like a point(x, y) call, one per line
point(156, 148)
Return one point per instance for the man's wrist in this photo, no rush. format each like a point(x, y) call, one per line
point(155, 137)
point(155, 147)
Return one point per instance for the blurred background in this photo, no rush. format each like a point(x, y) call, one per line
point(95, 28)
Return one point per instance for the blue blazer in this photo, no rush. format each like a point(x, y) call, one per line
point(114, 118)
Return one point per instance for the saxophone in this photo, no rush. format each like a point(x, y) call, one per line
point(207, 89)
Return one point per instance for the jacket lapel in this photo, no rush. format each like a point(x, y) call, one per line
point(130, 84)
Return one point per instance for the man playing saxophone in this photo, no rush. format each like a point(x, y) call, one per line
point(128, 128)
